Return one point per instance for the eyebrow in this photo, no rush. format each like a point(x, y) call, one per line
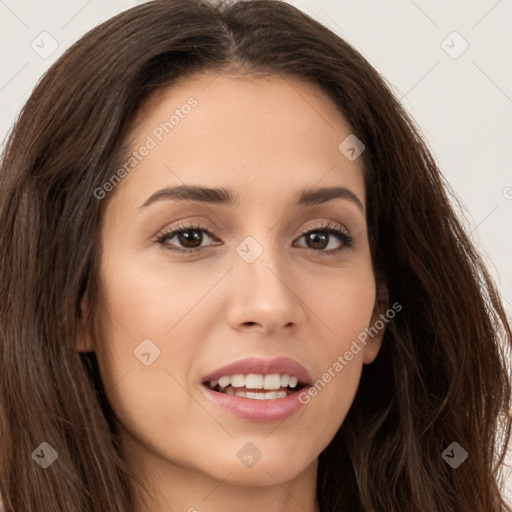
point(222, 196)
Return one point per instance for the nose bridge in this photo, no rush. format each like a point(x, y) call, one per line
point(264, 292)
point(261, 265)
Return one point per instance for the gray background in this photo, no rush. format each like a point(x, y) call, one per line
point(461, 98)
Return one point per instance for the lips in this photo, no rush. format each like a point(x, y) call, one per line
point(258, 390)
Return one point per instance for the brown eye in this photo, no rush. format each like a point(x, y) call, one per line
point(189, 238)
point(319, 239)
point(316, 240)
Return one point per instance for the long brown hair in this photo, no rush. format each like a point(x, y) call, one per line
point(441, 376)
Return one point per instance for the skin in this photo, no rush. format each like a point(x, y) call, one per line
point(263, 138)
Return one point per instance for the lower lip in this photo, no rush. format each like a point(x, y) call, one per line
point(260, 411)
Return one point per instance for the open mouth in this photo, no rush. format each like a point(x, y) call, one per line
point(256, 386)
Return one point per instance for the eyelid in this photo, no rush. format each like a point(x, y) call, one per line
point(331, 227)
point(182, 226)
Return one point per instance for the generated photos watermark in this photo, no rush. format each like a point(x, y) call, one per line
point(151, 142)
point(348, 355)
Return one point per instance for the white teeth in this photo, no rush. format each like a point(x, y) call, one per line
point(256, 396)
point(238, 381)
point(272, 381)
point(224, 381)
point(271, 395)
point(253, 381)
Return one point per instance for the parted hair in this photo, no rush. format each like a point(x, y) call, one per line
point(441, 375)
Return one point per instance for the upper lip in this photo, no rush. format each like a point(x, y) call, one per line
point(262, 366)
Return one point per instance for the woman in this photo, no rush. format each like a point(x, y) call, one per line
point(231, 278)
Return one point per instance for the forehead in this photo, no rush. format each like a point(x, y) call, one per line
point(272, 135)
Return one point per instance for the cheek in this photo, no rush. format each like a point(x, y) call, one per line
point(345, 310)
point(149, 315)
point(344, 305)
point(350, 311)
point(143, 370)
point(149, 299)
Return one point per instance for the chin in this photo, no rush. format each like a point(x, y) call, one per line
point(276, 466)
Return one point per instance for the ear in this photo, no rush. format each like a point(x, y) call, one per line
point(85, 341)
point(377, 325)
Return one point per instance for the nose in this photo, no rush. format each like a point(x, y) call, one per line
point(265, 296)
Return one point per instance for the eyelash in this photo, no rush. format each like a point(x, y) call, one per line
point(346, 239)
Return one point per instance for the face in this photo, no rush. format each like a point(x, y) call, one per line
point(269, 282)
